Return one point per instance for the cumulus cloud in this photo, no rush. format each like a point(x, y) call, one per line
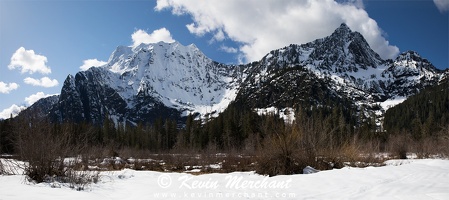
point(442, 5)
point(5, 88)
point(228, 49)
point(14, 110)
point(91, 63)
point(35, 97)
point(357, 3)
point(261, 27)
point(219, 36)
point(28, 61)
point(140, 36)
point(43, 82)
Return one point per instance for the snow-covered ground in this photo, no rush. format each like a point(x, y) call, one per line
point(399, 179)
point(287, 114)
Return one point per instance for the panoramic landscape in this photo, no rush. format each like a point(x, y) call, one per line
point(237, 100)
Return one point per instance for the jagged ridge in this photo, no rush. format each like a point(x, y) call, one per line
point(170, 80)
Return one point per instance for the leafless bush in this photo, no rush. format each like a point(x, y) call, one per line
point(9, 165)
point(442, 147)
point(436, 145)
point(2, 168)
point(79, 180)
point(146, 164)
point(237, 162)
point(398, 145)
point(43, 151)
point(44, 147)
point(177, 162)
point(282, 153)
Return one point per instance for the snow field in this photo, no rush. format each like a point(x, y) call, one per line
point(399, 179)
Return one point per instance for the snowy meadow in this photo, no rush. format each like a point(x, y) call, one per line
point(398, 179)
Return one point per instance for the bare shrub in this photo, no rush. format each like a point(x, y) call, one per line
point(399, 145)
point(238, 162)
point(282, 154)
point(442, 146)
point(9, 165)
point(2, 168)
point(43, 151)
point(79, 180)
point(432, 146)
point(112, 163)
point(44, 147)
point(146, 164)
point(370, 154)
point(177, 162)
point(347, 154)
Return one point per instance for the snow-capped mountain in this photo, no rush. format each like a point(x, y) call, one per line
point(410, 73)
point(40, 108)
point(338, 69)
point(165, 80)
point(169, 80)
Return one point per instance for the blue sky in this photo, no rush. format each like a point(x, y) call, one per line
point(42, 41)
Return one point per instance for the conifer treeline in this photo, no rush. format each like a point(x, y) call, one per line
point(237, 128)
point(242, 129)
point(422, 115)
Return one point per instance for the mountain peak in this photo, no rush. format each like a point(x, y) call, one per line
point(345, 50)
point(344, 33)
point(409, 55)
point(343, 29)
point(193, 46)
point(411, 59)
point(343, 26)
point(150, 81)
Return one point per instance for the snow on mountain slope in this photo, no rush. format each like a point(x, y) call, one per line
point(179, 76)
point(350, 69)
point(409, 73)
point(151, 80)
point(169, 80)
point(344, 58)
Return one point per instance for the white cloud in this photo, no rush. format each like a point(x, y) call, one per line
point(357, 3)
point(219, 36)
point(14, 110)
point(28, 61)
point(5, 88)
point(442, 5)
point(91, 63)
point(43, 82)
point(140, 36)
point(35, 97)
point(261, 27)
point(228, 49)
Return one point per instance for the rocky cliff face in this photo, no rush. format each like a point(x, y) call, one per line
point(338, 69)
point(165, 80)
point(148, 82)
